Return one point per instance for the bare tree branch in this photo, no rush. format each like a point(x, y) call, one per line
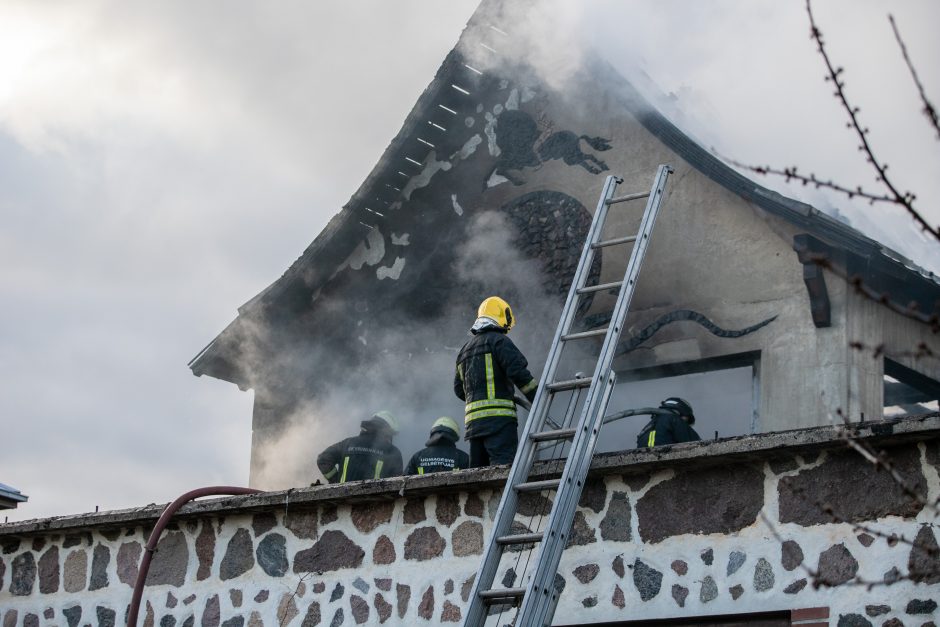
point(905, 199)
point(283, 613)
point(878, 459)
point(911, 310)
point(929, 110)
point(818, 580)
point(893, 195)
point(908, 311)
point(881, 462)
point(922, 351)
point(792, 174)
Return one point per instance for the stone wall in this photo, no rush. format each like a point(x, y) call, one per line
point(751, 524)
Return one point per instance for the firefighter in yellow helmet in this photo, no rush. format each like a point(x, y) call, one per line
point(440, 452)
point(489, 367)
point(369, 455)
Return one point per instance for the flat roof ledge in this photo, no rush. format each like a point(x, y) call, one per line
point(10, 497)
point(734, 450)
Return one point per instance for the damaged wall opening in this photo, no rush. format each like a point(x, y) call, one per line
point(724, 392)
point(761, 619)
point(907, 391)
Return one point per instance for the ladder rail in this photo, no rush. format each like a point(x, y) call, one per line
point(540, 593)
point(540, 598)
point(525, 453)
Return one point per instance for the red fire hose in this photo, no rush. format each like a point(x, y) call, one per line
point(151, 547)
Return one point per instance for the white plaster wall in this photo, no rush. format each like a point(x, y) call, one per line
point(717, 254)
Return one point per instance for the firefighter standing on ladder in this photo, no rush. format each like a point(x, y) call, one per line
point(488, 366)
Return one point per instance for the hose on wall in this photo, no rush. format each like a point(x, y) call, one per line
point(164, 520)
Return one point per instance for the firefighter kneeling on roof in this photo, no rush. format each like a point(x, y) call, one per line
point(488, 366)
point(369, 455)
point(441, 452)
point(672, 426)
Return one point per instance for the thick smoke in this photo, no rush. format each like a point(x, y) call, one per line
point(734, 86)
point(533, 34)
point(410, 366)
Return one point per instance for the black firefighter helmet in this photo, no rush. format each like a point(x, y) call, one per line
point(680, 406)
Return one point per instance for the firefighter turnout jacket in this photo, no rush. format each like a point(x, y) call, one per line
point(665, 428)
point(443, 455)
point(365, 456)
point(488, 366)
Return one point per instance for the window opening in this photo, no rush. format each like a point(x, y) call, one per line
point(762, 619)
point(724, 393)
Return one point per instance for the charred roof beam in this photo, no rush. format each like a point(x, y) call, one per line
point(814, 254)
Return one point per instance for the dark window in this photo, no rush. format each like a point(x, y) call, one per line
point(764, 619)
point(733, 411)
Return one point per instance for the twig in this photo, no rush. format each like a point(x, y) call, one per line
point(773, 530)
point(819, 581)
point(929, 109)
point(793, 174)
point(922, 351)
point(282, 618)
point(814, 575)
point(880, 461)
point(906, 199)
point(857, 527)
point(911, 310)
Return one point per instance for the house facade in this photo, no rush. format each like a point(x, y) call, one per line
point(791, 334)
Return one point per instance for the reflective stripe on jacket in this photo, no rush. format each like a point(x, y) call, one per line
point(665, 429)
point(361, 457)
point(489, 366)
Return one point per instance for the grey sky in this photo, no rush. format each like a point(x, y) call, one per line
point(161, 163)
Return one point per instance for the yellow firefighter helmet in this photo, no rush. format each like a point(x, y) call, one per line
point(498, 310)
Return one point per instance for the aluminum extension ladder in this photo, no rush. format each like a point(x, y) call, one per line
point(539, 596)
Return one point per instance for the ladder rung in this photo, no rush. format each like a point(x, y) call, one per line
point(538, 486)
point(520, 538)
point(637, 196)
point(599, 288)
point(557, 489)
point(556, 434)
point(499, 594)
point(561, 386)
point(583, 334)
point(614, 242)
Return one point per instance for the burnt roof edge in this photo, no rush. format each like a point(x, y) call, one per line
point(739, 449)
point(343, 224)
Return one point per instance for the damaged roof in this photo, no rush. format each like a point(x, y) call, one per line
point(845, 247)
